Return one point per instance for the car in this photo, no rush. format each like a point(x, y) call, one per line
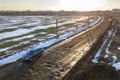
point(30, 55)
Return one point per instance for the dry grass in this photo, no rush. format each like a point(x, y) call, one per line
point(98, 72)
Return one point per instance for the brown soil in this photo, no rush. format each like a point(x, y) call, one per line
point(49, 66)
point(99, 71)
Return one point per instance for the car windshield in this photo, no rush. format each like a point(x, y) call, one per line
point(31, 52)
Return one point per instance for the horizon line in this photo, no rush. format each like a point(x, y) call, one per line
point(60, 10)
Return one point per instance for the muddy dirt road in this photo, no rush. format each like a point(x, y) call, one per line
point(57, 60)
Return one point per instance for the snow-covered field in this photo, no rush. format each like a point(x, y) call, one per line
point(19, 34)
point(109, 50)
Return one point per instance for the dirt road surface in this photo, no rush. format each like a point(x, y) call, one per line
point(57, 60)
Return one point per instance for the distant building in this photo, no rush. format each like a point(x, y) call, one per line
point(116, 12)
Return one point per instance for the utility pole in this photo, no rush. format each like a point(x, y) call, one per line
point(57, 28)
point(89, 31)
point(87, 34)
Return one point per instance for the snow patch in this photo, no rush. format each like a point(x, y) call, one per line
point(118, 48)
point(45, 44)
point(116, 65)
point(106, 56)
point(22, 30)
point(114, 58)
point(107, 49)
point(43, 33)
point(110, 33)
point(12, 58)
point(95, 60)
point(18, 32)
point(18, 39)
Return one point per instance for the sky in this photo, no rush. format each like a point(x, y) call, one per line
point(69, 5)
